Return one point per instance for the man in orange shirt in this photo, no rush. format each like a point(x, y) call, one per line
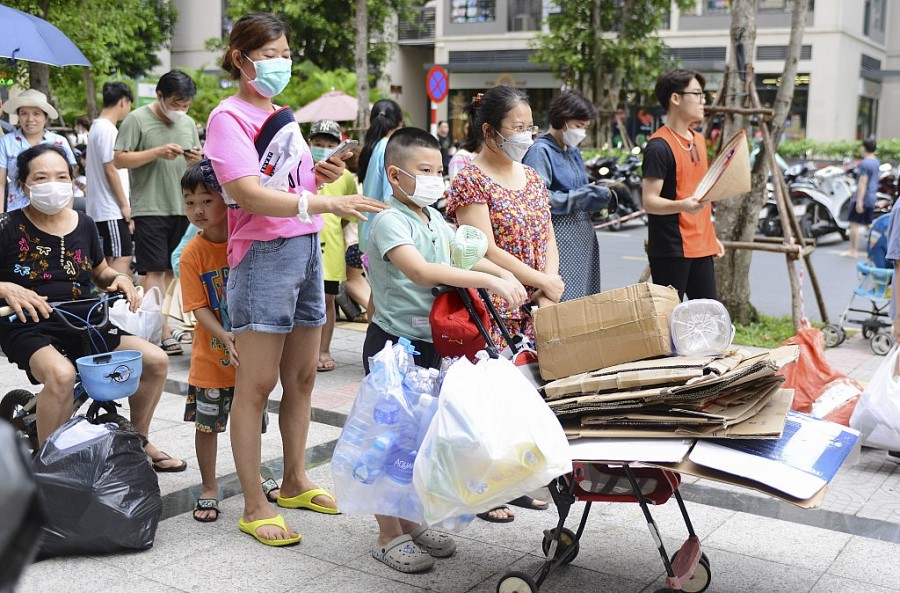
point(681, 239)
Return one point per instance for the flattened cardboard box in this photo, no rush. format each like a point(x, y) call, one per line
point(597, 331)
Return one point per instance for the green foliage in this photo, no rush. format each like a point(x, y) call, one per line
point(119, 37)
point(323, 31)
point(592, 39)
point(888, 150)
point(767, 332)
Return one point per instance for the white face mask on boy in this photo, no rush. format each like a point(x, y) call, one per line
point(428, 190)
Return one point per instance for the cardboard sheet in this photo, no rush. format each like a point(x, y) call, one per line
point(626, 450)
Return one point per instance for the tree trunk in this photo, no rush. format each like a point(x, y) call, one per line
point(594, 84)
point(361, 61)
point(735, 218)
point(39, 77)
point(90, 90)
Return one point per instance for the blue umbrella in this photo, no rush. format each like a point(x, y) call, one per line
point(26, 37)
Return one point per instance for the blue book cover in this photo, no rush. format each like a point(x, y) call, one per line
point(805, 459)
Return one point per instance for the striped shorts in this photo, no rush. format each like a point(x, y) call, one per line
point(115, 238)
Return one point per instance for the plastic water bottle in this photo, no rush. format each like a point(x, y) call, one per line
point(371, 463)
point(427, 408)
point(434, 378)
point(405, 351)
point(387, 409)
point(399, 462)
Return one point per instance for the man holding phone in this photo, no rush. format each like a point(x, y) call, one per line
point(157, 143)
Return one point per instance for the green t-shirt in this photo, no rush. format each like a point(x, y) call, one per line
point(331, 237)
point(156, 186)
point(401, 305)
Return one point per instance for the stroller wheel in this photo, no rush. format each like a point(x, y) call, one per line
point(881, 343)
point(868, 332)
point(701, 578)
point(516, 582)
point(834, 335)
point(567, 542)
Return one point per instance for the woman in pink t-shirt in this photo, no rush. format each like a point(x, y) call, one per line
point(275, 292)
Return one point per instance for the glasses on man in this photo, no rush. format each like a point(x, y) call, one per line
point(522, 129)
point(699, 94)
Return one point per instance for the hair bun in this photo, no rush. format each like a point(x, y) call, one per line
point(477, 99)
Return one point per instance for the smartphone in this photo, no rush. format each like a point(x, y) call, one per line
point(343, 148)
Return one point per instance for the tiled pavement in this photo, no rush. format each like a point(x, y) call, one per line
point(754, 543)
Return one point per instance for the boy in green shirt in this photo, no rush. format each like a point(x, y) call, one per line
point(409, 253)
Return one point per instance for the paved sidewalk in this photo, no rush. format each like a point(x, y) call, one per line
point(754, 543)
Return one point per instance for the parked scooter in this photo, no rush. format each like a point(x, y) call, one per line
point(625, 182)
point(795, 175)
point(830, 198)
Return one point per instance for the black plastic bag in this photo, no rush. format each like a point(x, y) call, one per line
point(22, 519)
point(99, 490)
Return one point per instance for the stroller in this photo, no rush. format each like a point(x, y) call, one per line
point(687, 570)
point(875, 279)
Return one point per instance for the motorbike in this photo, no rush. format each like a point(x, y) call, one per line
point(830, 196)
point(624, 180)
point(795, 175)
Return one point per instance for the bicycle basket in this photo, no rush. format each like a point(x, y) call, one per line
point(110, 376)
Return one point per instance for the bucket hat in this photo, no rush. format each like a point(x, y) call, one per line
point(30, 98)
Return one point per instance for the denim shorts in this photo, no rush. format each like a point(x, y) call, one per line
point(278, 286)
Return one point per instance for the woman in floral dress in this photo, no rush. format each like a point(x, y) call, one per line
point(509, 202)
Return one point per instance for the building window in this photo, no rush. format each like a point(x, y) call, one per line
point(717, 7)
point(873, 18)
point(525, 15)
point(866, 118)
point(473, 11)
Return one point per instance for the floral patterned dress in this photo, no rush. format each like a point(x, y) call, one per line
point(520, 220)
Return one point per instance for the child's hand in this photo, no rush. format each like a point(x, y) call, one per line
point(511, 291)
point(228, 340)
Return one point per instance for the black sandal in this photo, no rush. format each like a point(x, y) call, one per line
point(526, 502)
point(207, 504)
point(268, 486)
point(486, 516)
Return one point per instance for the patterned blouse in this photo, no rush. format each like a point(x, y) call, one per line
point(520, 220)
point(58, 267)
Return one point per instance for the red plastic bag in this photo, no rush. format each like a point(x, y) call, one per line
point(811, 375)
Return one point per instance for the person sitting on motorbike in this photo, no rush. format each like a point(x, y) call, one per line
point(48, 253)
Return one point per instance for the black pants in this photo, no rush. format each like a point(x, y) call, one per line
point(376, 337)
point(695, 277)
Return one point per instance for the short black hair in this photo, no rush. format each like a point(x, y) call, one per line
point(869, 145)
point(402, 140)
point(675, 81)
point(23, 161)
point(114, 91)
point(192, 178)
point(176, 83)
point(570, 105)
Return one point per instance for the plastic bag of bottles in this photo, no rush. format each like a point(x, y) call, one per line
point(492, 439)
point(373, 461)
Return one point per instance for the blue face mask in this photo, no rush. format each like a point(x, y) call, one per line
point(272, 76)
point(319, 153)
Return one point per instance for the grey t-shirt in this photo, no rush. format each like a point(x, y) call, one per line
point(156, 186)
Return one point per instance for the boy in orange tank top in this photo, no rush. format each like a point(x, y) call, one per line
point(681, 239)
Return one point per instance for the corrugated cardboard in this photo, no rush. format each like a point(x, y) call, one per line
point(597, 331)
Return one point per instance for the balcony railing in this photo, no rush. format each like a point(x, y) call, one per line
point(418, 27)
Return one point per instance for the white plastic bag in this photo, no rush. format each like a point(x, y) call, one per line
point(146, 322)
point(492, 439)
point(877, 415)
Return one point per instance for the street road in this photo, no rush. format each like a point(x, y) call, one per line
point(622, 260)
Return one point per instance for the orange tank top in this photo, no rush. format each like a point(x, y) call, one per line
point(698, 236)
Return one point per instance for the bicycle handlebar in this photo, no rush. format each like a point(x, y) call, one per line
point(8, 312)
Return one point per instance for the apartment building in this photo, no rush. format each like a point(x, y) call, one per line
point(847, 83)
